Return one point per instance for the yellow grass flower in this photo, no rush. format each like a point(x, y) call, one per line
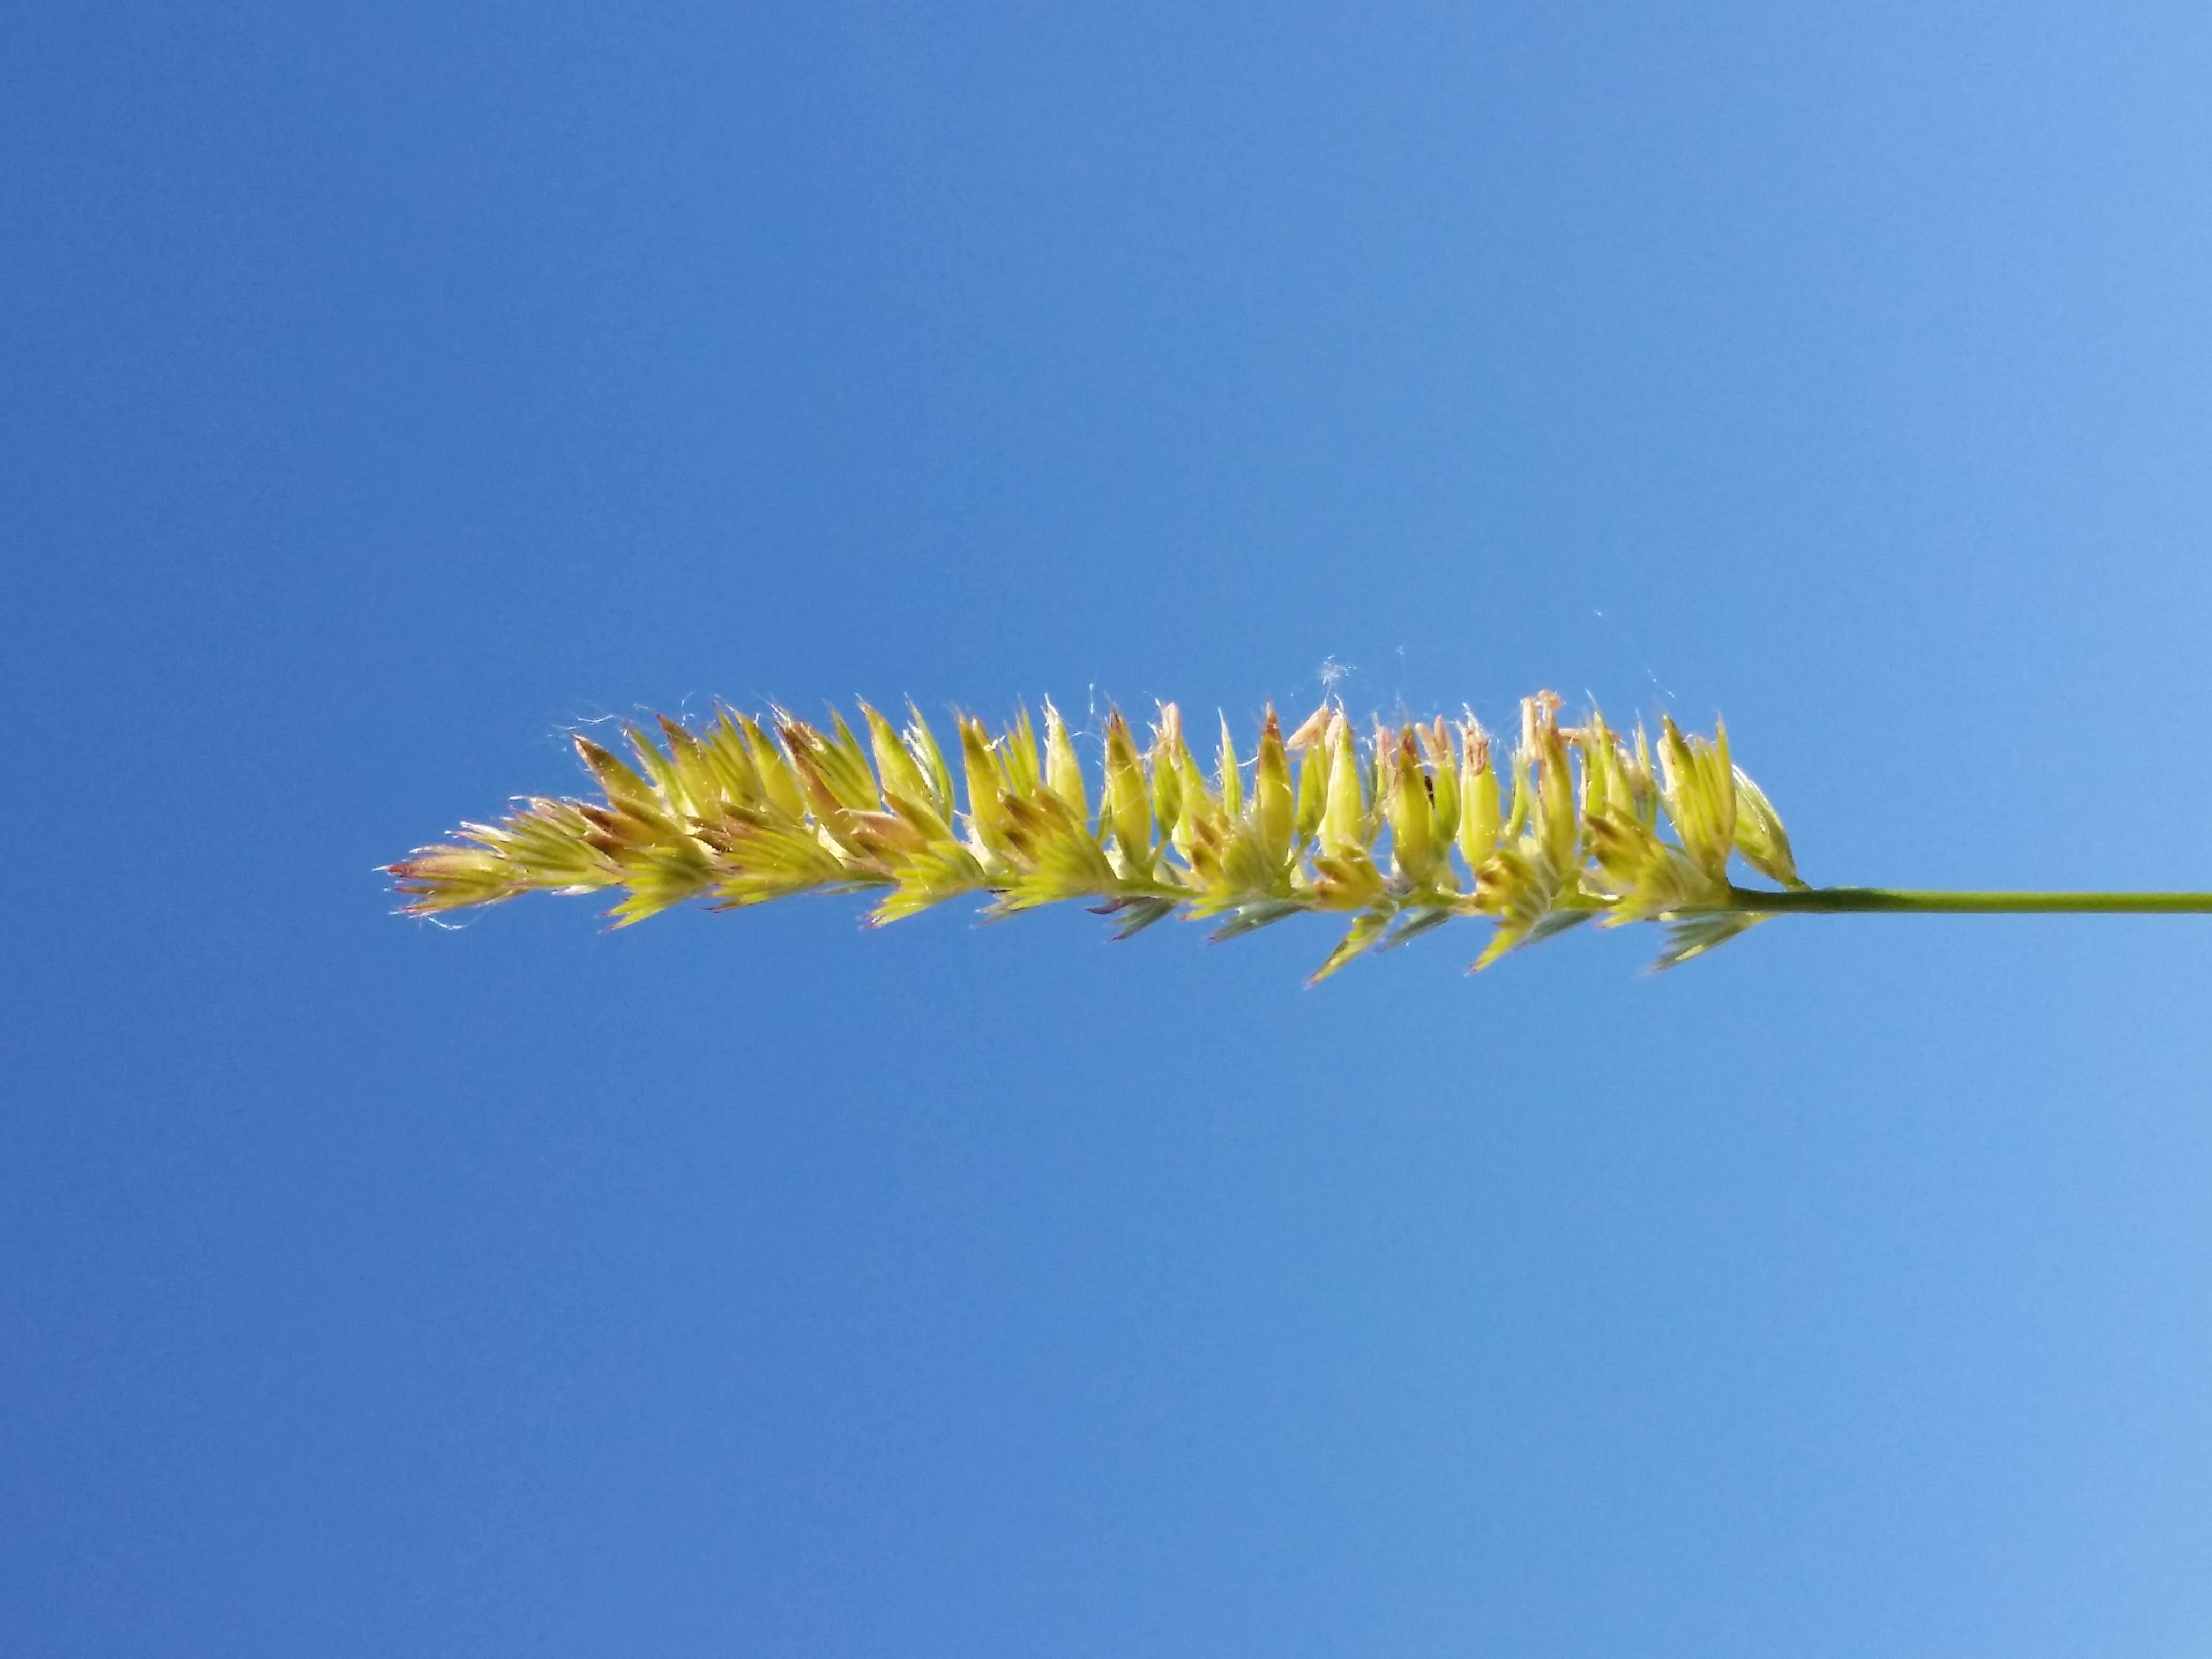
point(1401, 832)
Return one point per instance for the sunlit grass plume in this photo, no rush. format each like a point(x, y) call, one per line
point(1401, 830)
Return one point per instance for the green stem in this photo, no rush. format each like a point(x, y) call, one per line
point(1837, 899)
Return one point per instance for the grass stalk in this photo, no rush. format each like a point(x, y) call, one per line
point(1908, 902)
point(1399, 832)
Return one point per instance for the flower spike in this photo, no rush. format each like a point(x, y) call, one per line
point(1398, 833)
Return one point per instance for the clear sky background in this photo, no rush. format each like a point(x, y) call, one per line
point(383, 392)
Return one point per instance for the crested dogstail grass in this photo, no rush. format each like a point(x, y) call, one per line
point(1401, 829)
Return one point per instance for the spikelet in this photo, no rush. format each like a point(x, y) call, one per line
point(1402, 831)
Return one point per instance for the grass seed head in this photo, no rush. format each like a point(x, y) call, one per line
point(1598, 827)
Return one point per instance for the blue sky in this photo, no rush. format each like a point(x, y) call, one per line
point(382, 394)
